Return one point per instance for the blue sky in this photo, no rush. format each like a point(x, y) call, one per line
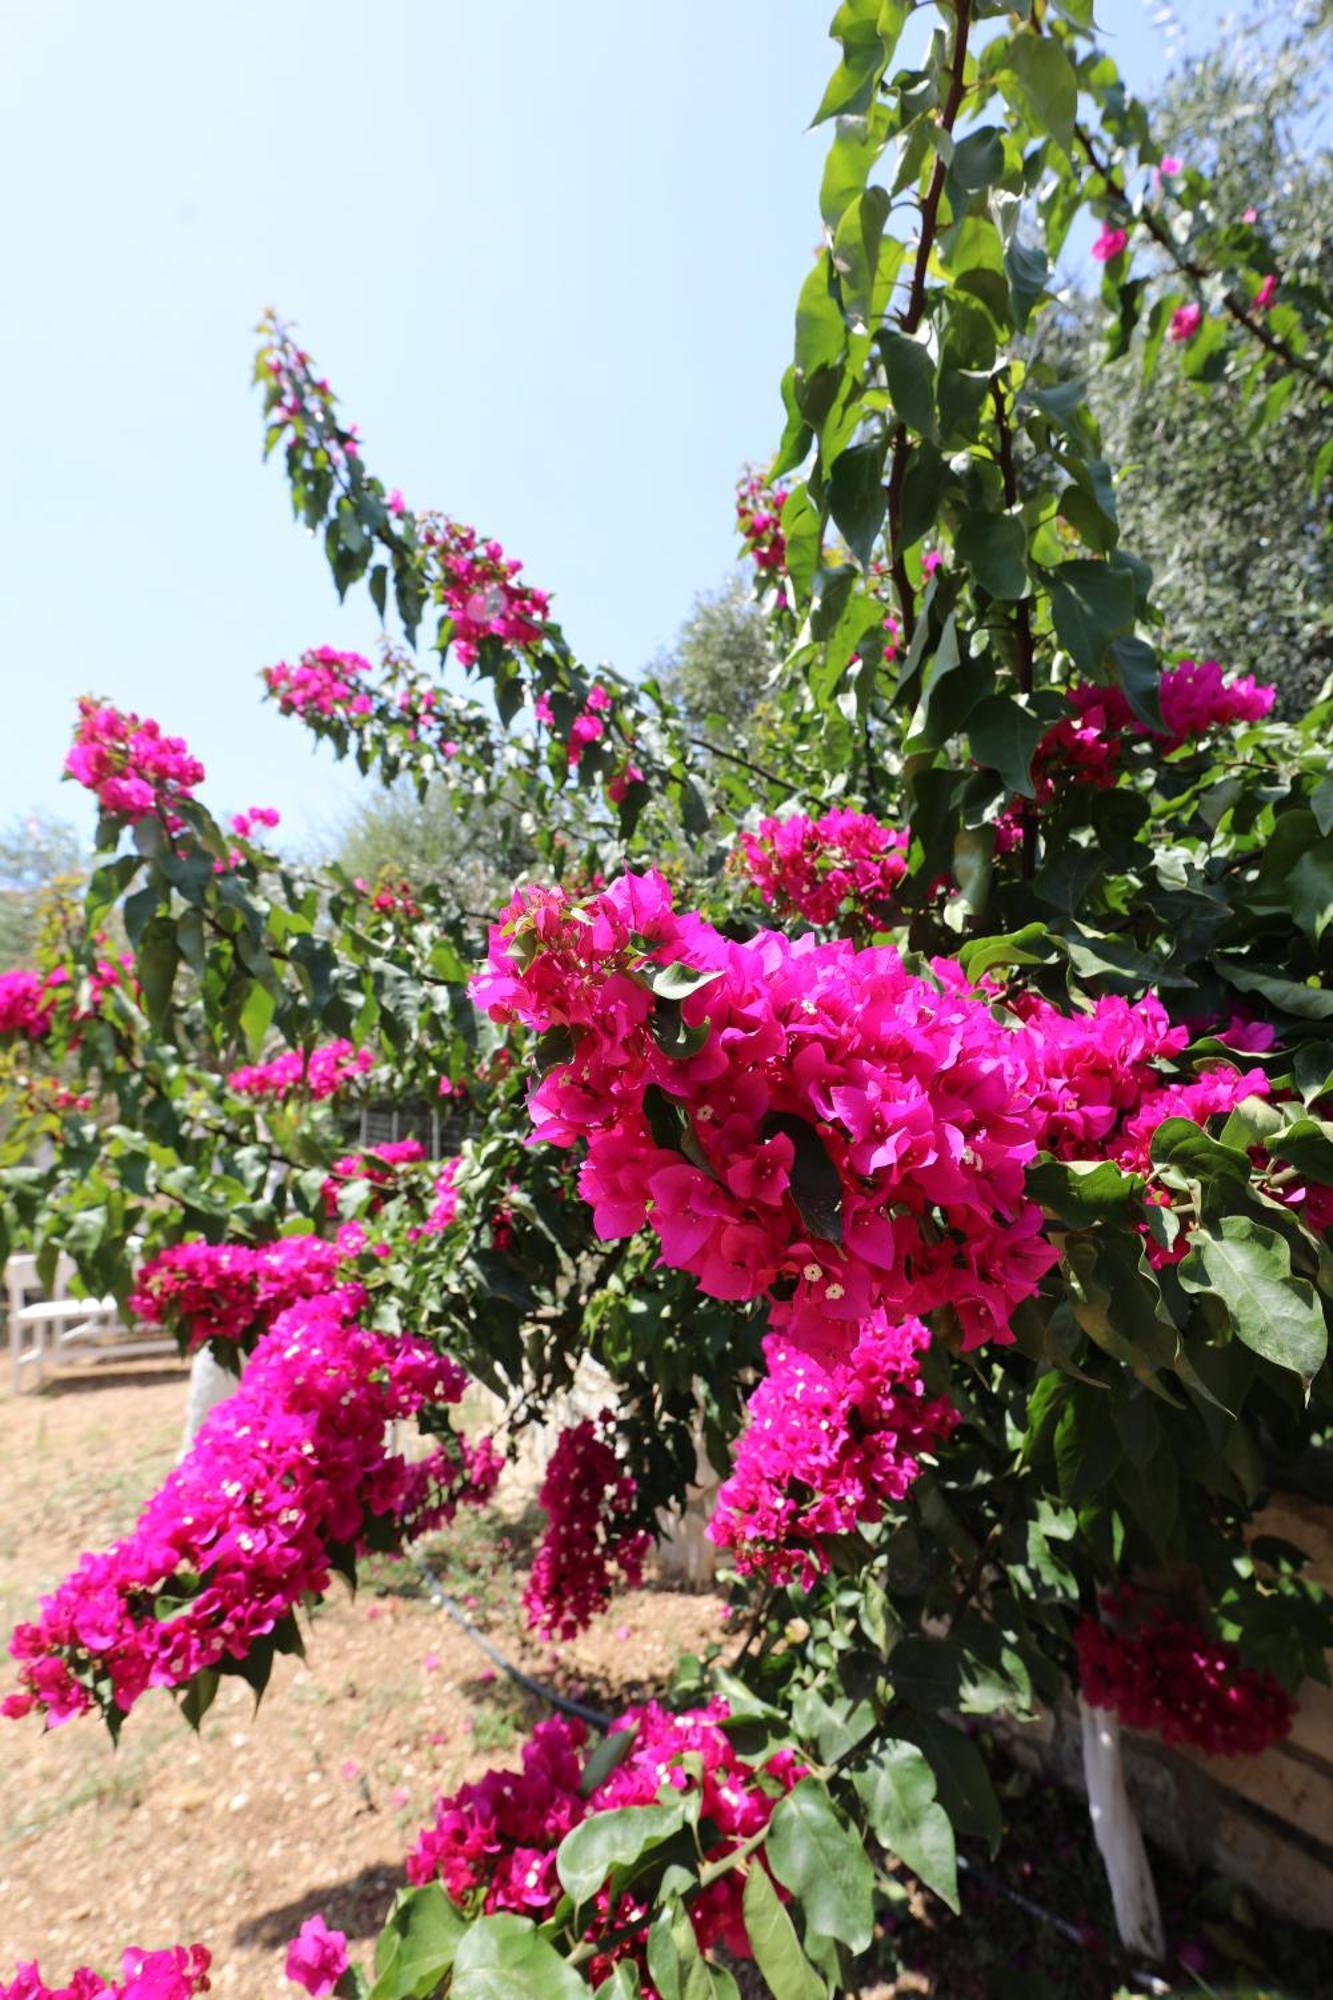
point(547, 254)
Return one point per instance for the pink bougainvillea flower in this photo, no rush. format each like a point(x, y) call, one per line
point(1185, 321)
point(317, 1957)
point(1110, 243)
point(1266, 293)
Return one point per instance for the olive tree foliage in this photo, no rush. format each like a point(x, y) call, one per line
point(38, 852)
point(469, 852)
point(1244, 565)
point(721, 662)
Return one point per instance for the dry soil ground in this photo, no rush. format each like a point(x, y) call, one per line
point(234, 1837)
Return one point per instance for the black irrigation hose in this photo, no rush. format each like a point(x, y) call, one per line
point(597, 1720)
point(592, 1716)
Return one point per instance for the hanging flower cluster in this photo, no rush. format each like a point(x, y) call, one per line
point(826, 1447)
point(759, 518)
point(175, 1974)
point(324, 682)
point(844, 863)
point(493, 1843)
point(478, 587)
point(1159, 1672)
point(809, 1122)
point(283, 1479)
point(231, 1291)
point(27, 1003)
point(592, 1544)
point(318, 1074)
point(133, 769)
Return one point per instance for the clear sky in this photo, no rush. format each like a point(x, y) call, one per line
point(547, 253)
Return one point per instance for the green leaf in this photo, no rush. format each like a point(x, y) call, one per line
point(911, 378)
point(773, 1939)
point(978, 160)
point(1180, 1143)
point(674, 1962)
point(1027, 268)
point(925, 484)
point(506, 1958)
point(1090, 604)
point(821, 333)
point(816, 1187)
point(868, 31)
point(155, 962)
point(856, 259)
point(1249, 1268)
point(962, 1781)
point(617, 1839)
point(1310, 889)
point(1046, 86)
point(898, 1792)
point(1003, 736)
point(418, 1944)
point(994, 547)
point(678, 980)
point(856, 496)
point(816, 1854)
point(257, 1017)
point(1081, 1192)
point(1029, 946)
point(1307, 1003)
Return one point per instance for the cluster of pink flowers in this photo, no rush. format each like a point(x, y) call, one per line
point(493, 1843)
point(231, 1291)
point(317, 1957)
point(478, 586)
point(243, 824)
point(319, 1074)
point(27, 1003)
point(376, 1169)
point(29, 1000)
point(827, 1445)
point(1160, 1672)
point(591, 1537)
point(282, 1480)
point(175, 1974)
point(324, 682)
point(588, 726)
point(759, 518)
point(845, 862)
point(1196, 697)
point(395, 899)
point(131, 766)
point(816, 1125)
point(910, 1104)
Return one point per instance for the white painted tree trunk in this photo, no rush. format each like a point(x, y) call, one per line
point(1137, 1916)
point(210, 1384)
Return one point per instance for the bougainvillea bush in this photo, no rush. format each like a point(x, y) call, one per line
point(923, 1108)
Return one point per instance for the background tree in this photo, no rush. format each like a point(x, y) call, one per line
point(1242, 559)
point(38, 853)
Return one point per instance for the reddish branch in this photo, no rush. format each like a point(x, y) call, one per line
point(910, 318)
point(1023, 644)
point(1235, 303)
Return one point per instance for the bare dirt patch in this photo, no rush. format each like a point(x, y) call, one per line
point(235, 1836)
